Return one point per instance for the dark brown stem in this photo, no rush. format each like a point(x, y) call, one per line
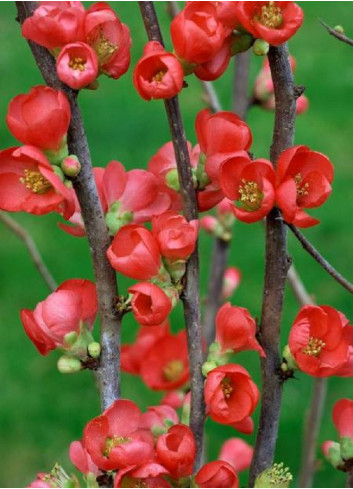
point(93, 217)
point(32, 249)
point(337, 35)
point(349, 481)
point(276, 269)
point(320, 259)
point(190, 296)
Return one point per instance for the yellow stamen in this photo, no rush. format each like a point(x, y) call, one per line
point(77, 64)
point(301, 189)
point(34, 181)
point(227, 387)
point(110, 443)
point(158, 77)
point(271, 16)
point(173, 370)
point(314, 347)
point(250, 195)
point(104, 48)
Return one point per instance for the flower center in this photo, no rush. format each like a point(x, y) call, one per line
point(314, 347)
point(250, 195)
point(34, 181)
point(271, 16)
point(104, 48)
point(173, 370)
point(130, 482)
point(158, 77)
point(301, 189)
point(77, 64)
point(227, 387)
point(110, 443)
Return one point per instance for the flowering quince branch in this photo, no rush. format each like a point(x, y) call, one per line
point(190, 294)
point(320, 259)
point(338, 34)
point(33, 251)
point(92, 213)
point(276, 269)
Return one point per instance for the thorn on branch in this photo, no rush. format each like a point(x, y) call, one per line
point(298, 91)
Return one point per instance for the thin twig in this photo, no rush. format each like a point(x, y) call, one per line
point(337, 35)
point(320, 259)
point(276, 269)
point(93, 217)
point(241, 83)
point(190, 296)
point(32, 249)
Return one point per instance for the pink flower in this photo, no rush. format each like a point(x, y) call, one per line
point(150, 304)
point(77, 65)
point(237, 453)
point(81, 459)
point(342, 415)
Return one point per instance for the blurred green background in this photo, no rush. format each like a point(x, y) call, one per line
point(41, 411)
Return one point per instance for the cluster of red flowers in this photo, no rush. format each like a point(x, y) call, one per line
point(85, 43)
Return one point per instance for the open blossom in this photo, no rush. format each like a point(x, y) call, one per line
point(231, 281)
point(236, 329)
point(197, 33)
point(60, 313)
point(250, 184)
point(110, 39)
point(275, 22)
point(114, 440)
point(219, 134)
point(54, 24)
point(150, 304)
point(231, 397)
point(304, 182)
point(81, 459)
point(158, 74)
point(145, 475)
point(237, 453)
point(77, 65)
point(134, 252)
point(342, 415)
point(28, 183)
point(175, 235)
point(165, 366)
point(176, 451)
point(40, 118)
point(319, 340)
point(217, 474)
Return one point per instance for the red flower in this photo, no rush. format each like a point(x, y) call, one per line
point(40, 118)
point(251, 184)
point(174, 399)
point(81, 459)
point(304, 179)
point(134, 252)
point(214, 68)
point(54, 24)
point(175, 235)
point(231, 281)
point(114, 441)
point(197, 33)
point(176, 451)
point(236, 329)
point(150, 304)
point(158, 74)
point(275, 22)
point(77, 65)
point(218, 134)
point(146, 475)
point(109, 38)
point(231, 397)
point(237, 453)
point(318, 340)
point(133, 355)
point(59, 314)
point(217, 474)
point(28, 183)
point(227, 13)
point(342, 415)
point(157, 417)
point(165, 366)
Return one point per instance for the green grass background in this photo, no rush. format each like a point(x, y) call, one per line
point(41, 411)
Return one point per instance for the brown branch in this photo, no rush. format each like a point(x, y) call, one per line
point(93, 217)
point(320, 259)
point(190, 296)
point(349, 481)
point(32, 249)
point(337, 35)
point(276, 269)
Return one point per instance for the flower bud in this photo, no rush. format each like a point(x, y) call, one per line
point(69, 365)
point(94, 349)
point(346, 444)
point(289, 359)
point(207, 367)
point(260, 47)
point(172, 180)
point(71, 166)
point(339, 29)
point(332, 452)
point(275, 476)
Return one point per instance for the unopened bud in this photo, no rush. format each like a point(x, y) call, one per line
point(69, 365)
point(289, 359)
point(275, 476)
point(207, 367)
point(346, 444)
point(172, 180)
point(94, 349)
point(71, 166)
point(260, 47)
point(339, 29)
point(332, 452)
